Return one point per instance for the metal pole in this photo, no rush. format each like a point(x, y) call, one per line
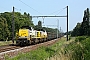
point(67, 23)
point(60, 32)
point(13, 26)
point(57, 27)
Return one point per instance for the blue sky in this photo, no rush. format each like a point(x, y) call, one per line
point(47, 7)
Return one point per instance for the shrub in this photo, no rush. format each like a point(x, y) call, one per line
point(79, 51)
point(80, 38)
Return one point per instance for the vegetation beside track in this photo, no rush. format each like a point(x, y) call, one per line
point(5, 43)
point(41, 53)
point(78, 49)
point(75, 49)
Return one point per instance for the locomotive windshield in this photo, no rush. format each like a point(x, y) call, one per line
point(26, 27)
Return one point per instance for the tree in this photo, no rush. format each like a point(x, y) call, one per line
point(39, 26)
point(76, 30)
point(20, 20)
point(39, 23)
point(85, 24)
point(4, 32)
point(84, 27)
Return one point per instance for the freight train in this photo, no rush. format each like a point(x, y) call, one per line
point(27, 35)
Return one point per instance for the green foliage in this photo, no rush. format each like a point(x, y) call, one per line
point(20, 20)
point(5, 42)
point(6, 23)
point(83, 28)
point(41, 53)
point(4, 32)
point(80, 38)
point(50, 30)
point(69, 33)
point(39, 23)
point(76, 30)
point(79, 50)
point(86, 47)
point(40, 28)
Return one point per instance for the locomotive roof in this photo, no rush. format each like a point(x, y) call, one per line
point(26, 27)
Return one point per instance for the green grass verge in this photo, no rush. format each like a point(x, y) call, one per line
point(5, 42)
point(41, 53)
point(79, 49)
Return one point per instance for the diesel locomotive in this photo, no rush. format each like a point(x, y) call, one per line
point(27, 35)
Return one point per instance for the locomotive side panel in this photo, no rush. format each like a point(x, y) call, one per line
point(24, 37)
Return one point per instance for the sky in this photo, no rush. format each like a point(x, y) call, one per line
point(49, 8)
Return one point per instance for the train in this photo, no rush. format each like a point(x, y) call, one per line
point(27, 35)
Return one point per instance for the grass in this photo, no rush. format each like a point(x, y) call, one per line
point(41, 53)
point(75, 49)
point(78, 49)
point(5, 42)
point(62, 53)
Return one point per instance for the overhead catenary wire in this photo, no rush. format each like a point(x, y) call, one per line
point(17, 9)
point(60, 10)
point(30, 7)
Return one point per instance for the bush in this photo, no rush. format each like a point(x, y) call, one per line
point(79, 51)
point(80, 38)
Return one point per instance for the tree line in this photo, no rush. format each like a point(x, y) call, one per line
point(83, 28)
point(20, 20)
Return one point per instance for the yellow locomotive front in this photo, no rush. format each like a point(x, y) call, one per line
point(24, 36)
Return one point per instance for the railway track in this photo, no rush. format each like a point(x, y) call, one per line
point(8, 48)
point(15, 50)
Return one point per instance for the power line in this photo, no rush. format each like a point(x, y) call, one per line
point(46, 16)
point(61, 10)
point(58, 11)
point(17, 9)
point(20, 10)
point(29, 6)
point(50, 25)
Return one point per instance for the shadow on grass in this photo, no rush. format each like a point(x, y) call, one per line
point(50, 51)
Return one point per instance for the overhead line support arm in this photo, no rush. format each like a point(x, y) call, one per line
point(46, 16)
